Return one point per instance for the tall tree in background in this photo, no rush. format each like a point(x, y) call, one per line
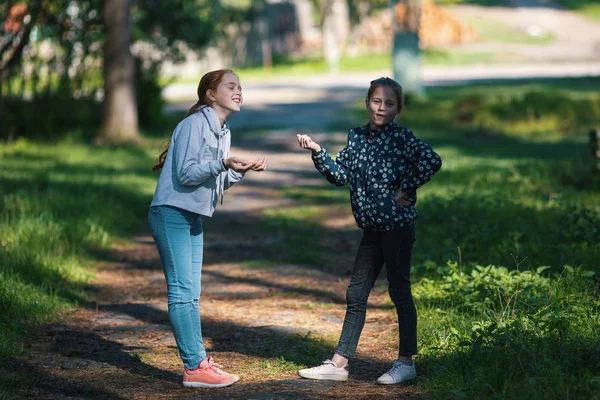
point(406, 55)
point(120, 118)
point(52, 52)
point(335, 30)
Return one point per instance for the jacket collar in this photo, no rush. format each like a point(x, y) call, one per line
point(391, 126)
point(213, 121)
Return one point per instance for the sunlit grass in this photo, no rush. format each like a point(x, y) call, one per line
point(489, 30)
point(58, 202)
point(588, 8)
point(365, 62)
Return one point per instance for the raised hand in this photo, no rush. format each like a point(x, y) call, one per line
point(306, 142)
point(238, 164)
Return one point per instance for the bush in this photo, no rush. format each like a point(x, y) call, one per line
point(45, 115)
point(531, 112)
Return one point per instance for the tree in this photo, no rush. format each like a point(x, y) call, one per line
point(120, 118)
point(58, 69)
point(14, 36)
point(406, 56)
point(335, 29)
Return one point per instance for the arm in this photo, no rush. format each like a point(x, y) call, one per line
point(336, 171)
point(188, 147)
point(426, 163)
point(232, 178)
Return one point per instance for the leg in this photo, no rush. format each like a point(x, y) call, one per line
point(397, 249)
point(197, 238)
point(367, 266)
point(171, 231)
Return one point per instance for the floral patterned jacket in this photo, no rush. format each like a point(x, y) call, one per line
point(375, 163)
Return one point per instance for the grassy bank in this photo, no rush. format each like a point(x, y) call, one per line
point(60, 205)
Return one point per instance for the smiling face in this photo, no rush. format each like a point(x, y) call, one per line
point(227, 98)
point(382, 106)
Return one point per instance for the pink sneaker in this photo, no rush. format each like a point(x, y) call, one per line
point(207, 375)
point(235, 377)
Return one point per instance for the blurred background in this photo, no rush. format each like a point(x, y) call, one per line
point(80, 56)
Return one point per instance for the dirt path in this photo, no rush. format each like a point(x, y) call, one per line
point(576, 38)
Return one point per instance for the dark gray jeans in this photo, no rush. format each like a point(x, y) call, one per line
point(392, 248)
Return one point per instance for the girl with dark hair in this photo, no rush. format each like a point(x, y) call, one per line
point(384, 164)
point(194, 171)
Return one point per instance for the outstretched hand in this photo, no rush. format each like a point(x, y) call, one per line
point(306, 142)
point(238, 164)
point(260, 164)
point(401, 197)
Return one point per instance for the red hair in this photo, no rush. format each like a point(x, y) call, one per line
point(210, 80)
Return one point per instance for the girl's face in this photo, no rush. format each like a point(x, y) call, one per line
point(228, 96)
point(382, 107)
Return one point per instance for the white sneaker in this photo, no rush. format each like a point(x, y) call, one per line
point(328, 371)
point(399, 373)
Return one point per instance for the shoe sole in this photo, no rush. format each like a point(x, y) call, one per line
point(324, 377)
point(207, 385)
point(394, 383)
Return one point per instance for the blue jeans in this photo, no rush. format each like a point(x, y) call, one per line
point(179, 238)
point(392, 248)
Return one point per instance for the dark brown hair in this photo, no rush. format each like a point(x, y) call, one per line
point(389, 82)
point(210, 80)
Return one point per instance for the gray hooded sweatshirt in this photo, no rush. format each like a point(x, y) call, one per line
point(193, 176)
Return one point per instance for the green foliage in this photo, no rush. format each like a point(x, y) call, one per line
point(589, 8)
point(516, 334)
point(22, 117)
point(61, 68)
point(148, 92)
point(530, 112)
point(164, 24)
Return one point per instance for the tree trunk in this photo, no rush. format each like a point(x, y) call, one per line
point(334, 31)
point(120, 120)
point(406, 57)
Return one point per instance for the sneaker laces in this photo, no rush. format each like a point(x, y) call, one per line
point(397, 365)
point(214, 366)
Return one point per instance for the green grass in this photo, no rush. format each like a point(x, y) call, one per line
point(476, 2)
point(348, 64)
point(489, 30)
point(59, 205)
point(508, 232)
point(588, 8)
point(361, 63)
